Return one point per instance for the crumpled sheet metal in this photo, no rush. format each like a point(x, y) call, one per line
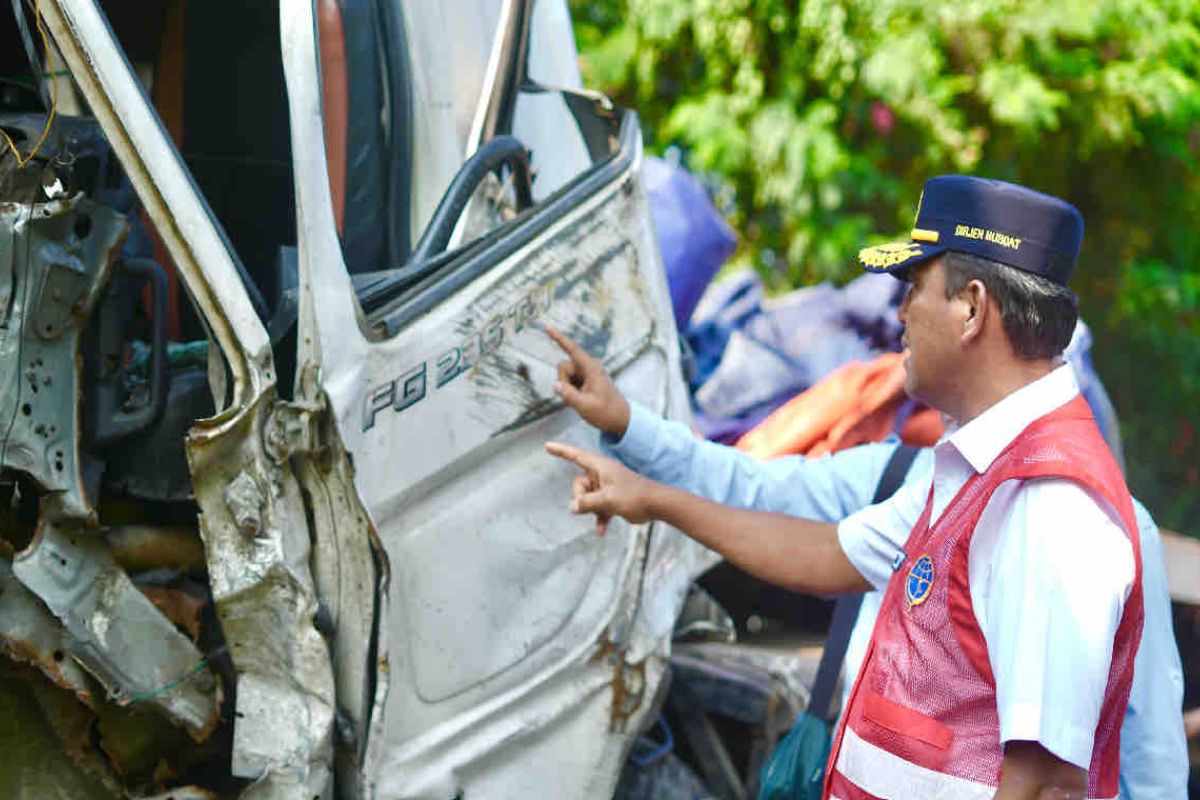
point(116, 633)
point(266, 602)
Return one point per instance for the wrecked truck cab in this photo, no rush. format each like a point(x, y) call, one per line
point(278, 519)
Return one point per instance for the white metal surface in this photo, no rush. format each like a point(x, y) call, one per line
point(517, 653)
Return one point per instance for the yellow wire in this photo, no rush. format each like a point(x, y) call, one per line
point(21, 162)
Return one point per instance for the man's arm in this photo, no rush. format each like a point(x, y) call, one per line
point(797, 554)
point(1049, 608)
point(827, 489)
point(1031, 772)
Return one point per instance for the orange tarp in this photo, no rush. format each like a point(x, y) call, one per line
point(854, 405)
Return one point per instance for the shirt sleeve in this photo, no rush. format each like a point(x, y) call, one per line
point(874, 537)
point(826, 489)
point(1154, 754)
point(1053, 594)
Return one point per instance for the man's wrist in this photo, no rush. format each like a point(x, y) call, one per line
point(620, 425)
point(660, 501)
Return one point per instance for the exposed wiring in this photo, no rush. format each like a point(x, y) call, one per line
point(138, 698)
point(23, 160)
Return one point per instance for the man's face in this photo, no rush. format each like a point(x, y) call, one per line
point(932, 328)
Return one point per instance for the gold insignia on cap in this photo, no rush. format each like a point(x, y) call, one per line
point(888, 255)
point(922, 235)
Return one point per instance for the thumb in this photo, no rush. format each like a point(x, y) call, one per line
point(597, 503)
point(569, 394)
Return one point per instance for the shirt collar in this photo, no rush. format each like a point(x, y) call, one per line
point(986, 436)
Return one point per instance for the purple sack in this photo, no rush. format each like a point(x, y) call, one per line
point(693, 237)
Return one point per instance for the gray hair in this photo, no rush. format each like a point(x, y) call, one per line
point(1038, 315)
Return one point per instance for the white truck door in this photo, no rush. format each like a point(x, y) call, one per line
point(507, 623)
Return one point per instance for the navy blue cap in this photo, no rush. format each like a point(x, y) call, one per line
point(1002, 221)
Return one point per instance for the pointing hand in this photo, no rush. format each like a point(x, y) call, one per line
point(585, 386)
point(606, 488)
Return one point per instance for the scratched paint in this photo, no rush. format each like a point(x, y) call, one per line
point(498, 596)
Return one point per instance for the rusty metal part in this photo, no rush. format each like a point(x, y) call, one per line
point(178, 606)
point(29, 634)
point(35, 764)
point(628, 692)
point(116, 632)
point(73, 723)
point(627, 685)
point(141, 547)
point(146, 750)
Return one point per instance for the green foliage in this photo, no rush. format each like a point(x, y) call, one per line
point(822, 118)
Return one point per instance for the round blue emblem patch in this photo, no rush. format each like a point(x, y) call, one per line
point(919, 581)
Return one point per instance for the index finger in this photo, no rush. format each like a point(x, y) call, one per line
point(575, 455)
point(569, 346)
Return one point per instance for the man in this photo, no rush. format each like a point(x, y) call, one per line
point(1002, 662)
point(1154, 758)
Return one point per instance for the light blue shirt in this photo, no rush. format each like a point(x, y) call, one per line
point(1154, 759)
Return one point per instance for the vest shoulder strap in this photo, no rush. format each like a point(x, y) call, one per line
point(845, 609)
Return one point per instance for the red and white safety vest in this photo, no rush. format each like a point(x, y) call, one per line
point(922, 721)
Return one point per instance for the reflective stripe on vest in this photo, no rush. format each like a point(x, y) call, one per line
point(879, 773)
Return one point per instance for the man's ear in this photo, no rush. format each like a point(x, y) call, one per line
point(974, 297)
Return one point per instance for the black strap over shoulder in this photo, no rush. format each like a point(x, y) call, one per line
point(845, 610)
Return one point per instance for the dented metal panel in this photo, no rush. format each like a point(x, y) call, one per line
point(513, 638)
